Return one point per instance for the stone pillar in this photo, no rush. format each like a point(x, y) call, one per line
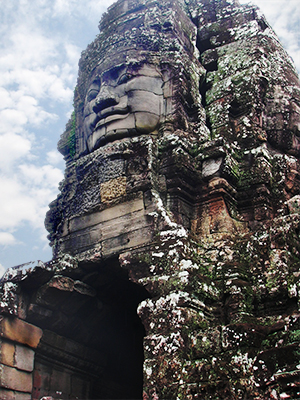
point(18, 342)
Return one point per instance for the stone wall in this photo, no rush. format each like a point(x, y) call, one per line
point(175, 270)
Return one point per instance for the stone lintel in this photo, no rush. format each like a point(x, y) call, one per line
point(66, 353)
point(117, 228)
point(122, 234)
point(87, 221)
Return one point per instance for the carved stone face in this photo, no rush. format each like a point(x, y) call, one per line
point(121, 102)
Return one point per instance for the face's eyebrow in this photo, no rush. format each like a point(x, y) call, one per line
point(114, 73)
point(95, 82)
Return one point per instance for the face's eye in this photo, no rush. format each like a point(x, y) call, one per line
point(124, 78)
point(92, 94)
point(93, 90)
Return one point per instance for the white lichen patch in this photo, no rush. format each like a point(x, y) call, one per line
point(165, 344)
point(161, 254)
point(183, 276)
point(20, 272)
point(8, 301)
point(242, 362)
point(188, 265)
point(161, 209)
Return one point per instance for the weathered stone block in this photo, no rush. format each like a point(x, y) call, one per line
point(145, 101)
point(294, 205)
point(211, 167)
point(11, 378)
point(123, 226)
point(7, 353)
point(81, 240)
point(146, 123)
point(24, 358)
point(113, 189)
point(97, 137)
point(111, 213)
point(126, 233)
point(20, 331)
point(41, 312)
point(63, 283)
point(15, 355)
point(41, 381)
point(11, 395)
point(60, 380)
point(80, 386)
point(55, 292)
point(84, 289)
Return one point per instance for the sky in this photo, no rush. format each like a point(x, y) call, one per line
point(40, 46)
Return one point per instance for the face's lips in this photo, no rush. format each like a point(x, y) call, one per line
point(110, 114)
point(111, 117)
point(117, 109)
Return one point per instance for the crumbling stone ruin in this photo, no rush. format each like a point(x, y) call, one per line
point(175, 236)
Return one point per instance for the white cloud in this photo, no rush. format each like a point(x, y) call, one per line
point(33, 47)
point(40, 176)
point(72, 53)
point(54, 157)
point(12, 120)
point(13, 147)
point(90, 9)
point(96, 6)
point(16, 204)
point(6, 239)
point(26, 196)
point(5, 98)
point(2, 270)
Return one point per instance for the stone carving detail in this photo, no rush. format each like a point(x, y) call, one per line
point(176, 231)
point(122, 102)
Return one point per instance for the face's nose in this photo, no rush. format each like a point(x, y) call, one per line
point(105, 98)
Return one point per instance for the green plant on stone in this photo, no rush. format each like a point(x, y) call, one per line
point(72, 137)
point(295, 336)
point(72, 134)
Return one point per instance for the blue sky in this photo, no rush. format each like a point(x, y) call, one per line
point(41, 42)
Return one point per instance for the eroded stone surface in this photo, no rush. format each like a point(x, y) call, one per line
point(180, 203)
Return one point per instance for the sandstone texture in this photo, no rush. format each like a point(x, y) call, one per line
point(175, 236)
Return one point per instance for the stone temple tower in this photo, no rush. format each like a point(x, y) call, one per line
point(175, 236)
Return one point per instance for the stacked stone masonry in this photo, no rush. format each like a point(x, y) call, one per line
point(175, 235)
point(18, 343)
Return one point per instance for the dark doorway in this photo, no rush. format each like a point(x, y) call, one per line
point(92, 346)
